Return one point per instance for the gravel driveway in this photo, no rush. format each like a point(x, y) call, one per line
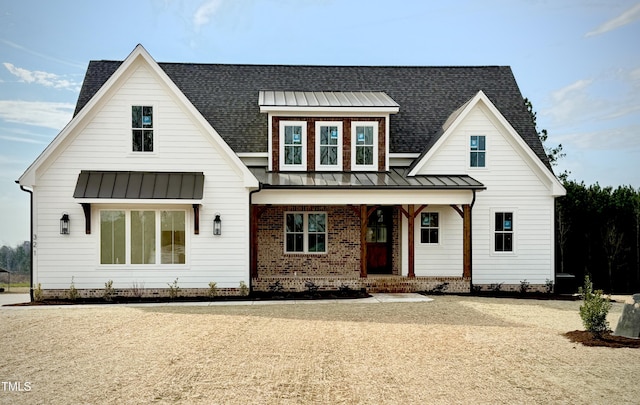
point(451, 350)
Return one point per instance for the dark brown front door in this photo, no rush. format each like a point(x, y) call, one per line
point(379, 230)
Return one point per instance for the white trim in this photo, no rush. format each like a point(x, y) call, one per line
point(28, 178)
point(404, 155)
point(305, 232)
point(418, 229)
point(253, 154)
point(370, 196)
point(303, 145)
point(374, 165)
point(515, 227)
point(330, 110)
point(486, 152)
point(554, 184)
point(270, 141)
point(158, 265)
point(338, 165)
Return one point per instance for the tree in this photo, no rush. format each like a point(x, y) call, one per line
point(553, 153)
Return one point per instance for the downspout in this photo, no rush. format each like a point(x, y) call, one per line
point(251, 242)
point(30, 238)
point(473, 202)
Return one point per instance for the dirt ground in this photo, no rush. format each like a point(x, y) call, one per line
point(451, 350)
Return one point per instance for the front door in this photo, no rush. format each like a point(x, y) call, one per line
point(379, 230)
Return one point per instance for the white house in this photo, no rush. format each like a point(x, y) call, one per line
point(385, 178)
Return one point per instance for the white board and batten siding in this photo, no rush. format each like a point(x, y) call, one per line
point(103, 142)
point(513, 184)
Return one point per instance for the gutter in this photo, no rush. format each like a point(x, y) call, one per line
point(26, 190)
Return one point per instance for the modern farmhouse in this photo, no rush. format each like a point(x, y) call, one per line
point(384, 178)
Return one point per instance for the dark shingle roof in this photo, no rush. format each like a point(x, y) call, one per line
point(227, 96)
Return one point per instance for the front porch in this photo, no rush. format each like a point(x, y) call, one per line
point(370, 247)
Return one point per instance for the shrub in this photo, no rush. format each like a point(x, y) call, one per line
point(524, 286)
point(37, 293)
point(137, 289)
point(244, 290)
point(213, 289)
point(73, 293)
point(594, 309)
point(108, 292)
point(548, 286)
point(174, 289)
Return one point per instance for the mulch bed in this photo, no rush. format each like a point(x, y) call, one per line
point(606, 340)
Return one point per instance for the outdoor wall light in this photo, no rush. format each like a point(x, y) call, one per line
point(217, 225)
point(65, 224)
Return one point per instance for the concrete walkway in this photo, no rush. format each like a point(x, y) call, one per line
point(376, 298)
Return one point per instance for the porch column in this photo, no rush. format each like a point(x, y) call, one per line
point(412, 233)
point(466, 244)
point(364, 219)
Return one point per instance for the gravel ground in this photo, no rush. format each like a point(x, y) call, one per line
point(451, 350)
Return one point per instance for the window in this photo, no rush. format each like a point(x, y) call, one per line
point(504, 232)
point(328, 145)
point(305, 232)
point(293, 149)
point(142, 237)
point(142, 128)
point(478, 149)
point(364, 149)
point(429, 227)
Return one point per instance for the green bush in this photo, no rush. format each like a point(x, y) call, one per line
point(594, 309)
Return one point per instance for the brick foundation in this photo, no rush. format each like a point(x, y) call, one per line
point(371, 284)
point(52, 294)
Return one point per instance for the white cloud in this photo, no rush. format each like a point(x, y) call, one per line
point(42, 78)
point(629, 16)
point(205, 12)
point(38, 113)
point(618, 138)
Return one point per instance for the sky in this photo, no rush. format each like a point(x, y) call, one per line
point(578, 61)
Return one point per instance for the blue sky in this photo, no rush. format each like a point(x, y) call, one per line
point(578, 61)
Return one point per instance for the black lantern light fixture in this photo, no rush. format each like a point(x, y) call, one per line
point(217, 225)
point(65, 224)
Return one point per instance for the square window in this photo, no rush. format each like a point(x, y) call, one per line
point(305, 232)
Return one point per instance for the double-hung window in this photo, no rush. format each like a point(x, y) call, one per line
point(364, 145)
point(305, 232)
point(504, 232)
point(478, 151)
point(429, 227)
point(328, 145)
point(142, 237)
point(293, 145)
point(142, 128)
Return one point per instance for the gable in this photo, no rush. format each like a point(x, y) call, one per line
point(506, 152)
point(104, 123)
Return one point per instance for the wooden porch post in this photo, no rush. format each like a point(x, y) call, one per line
point(364, 219)
point(412, 250)
point(466, 244)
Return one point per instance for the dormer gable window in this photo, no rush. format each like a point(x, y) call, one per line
point(328, 145)
point(293, 141)
point(142, 128)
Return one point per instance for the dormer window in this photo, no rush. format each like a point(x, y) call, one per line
point(328, 145)
point(293, 141)
point(142, 128)
point(364, 145)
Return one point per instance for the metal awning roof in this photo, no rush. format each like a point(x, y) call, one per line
point(140, 185)
point(395, 178)
point(325, 99)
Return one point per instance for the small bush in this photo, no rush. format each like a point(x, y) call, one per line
point(137, 289)
point(311, 286)
point(548, 286)
point(276, 287)
point(213, 289)
point(37, 293)
point(244, 289)
point(174, 289)
point(108, 292)
point(73, 293)
point(495, 287)
point(594, 309)
point(524, 286)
